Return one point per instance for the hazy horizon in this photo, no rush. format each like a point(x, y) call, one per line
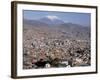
point(68, 17)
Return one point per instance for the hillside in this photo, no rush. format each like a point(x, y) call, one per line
point(64, 41)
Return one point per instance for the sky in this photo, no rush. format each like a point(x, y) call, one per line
point(69, 17)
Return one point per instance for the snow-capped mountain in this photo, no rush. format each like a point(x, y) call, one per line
point(51, 20)
point(55, 24)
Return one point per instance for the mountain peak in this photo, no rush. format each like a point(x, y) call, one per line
point(52, 20)
point(53, 17)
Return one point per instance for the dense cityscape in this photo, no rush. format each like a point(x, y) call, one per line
point(51, 47)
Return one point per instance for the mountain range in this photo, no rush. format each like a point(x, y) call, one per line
point(54, 23)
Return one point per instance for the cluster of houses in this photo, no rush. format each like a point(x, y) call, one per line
point(55, 52)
